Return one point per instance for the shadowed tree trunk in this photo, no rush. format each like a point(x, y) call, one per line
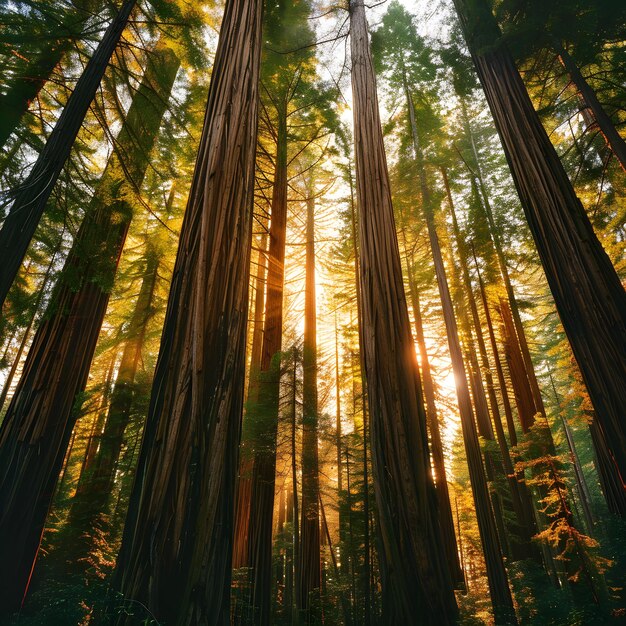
point(589, 296)
point(436, 443)
point(40, 418)
point(590, 100)
point(526, 408)
point(32, 195)
point(488, 519)
point(295, 573)
point(244, 479)
point(97, 480)
point(265, 427)
point(366, 575)
point(181, 511)
point(415, 576)
point(498, 362)
point(310, 565)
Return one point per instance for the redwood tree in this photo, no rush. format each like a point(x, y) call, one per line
point(176, 551)
point(415, 576)
point(32, 195)
point(39, 420)
point(309, 561)
point(589, 296)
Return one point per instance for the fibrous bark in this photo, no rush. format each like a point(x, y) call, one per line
point(177, 545)
point(415, 576)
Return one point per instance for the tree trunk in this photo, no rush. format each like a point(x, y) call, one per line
point(181, 511)
point(296, 572)
point(93, 441)
point(265, 426)
point(613, 139)
point(97, 481)
point(589, 296)
point(32, 196)
point(501, 598)
point(436, 443)
point(366, 576)
point(526, 409)
point(498, 362)
point(416, 580)
point(244, 478)
point(42, 412)
point(338, 444)
point(310, 563)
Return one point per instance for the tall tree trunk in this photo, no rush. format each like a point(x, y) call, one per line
point(97, 480)
point(265, 426)
point(581, 484)
point(310, 563)
point(32, 195)
point(613, 139)
point(526, 408)
point(524, 526)
point(436, 443)
point(589, 296)
point(244, 478)
point(498, 362)
point(501, 598)
point(296, 572)
point(93, 441)
point(40, 418)
point(367, 561)
point(338, 430)
point(181, 511)
point(416, 580)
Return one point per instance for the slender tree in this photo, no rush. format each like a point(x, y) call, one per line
point(98, 475)
point(310, 536)
point(286, 74)
point(32, 195)
point(436, 442)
